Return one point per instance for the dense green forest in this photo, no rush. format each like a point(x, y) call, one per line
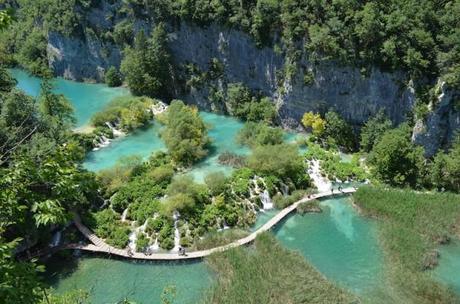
point(420, 37)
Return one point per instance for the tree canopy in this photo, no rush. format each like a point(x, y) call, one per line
point(185, 135)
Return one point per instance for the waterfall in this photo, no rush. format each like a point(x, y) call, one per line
point(266, 200)
point(322, 183)
point(124, 215)
point(158, 108)
point(56, 240)
point(132, 240)
point(115, 131)
point(176, 217)
point(155, 246)
point(133, 235)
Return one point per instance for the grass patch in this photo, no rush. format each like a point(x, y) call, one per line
point(269, 274)
point(219, 238)
point(412, 226)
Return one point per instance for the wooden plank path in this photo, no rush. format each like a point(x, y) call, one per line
point(98, 245)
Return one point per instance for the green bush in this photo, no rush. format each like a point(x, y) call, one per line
point(113, 77)
point(142, 242)
point(254, 134)
point(216, 182)
point(130, 112)
point(119, 236)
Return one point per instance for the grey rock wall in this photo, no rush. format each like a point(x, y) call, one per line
point(345, 89)
point(441, 125)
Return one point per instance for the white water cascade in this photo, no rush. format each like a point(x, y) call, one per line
point(133, 235)
point(266, 200)
point(322, 183)
point(116, 132)
point(124, 215)
point(176, 217)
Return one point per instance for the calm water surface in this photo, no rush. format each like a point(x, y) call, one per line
point(109, 280)
point(339, 243)
point(86, 98)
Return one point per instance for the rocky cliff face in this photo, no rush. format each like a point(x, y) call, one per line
point(354, 96)
point(439, 128)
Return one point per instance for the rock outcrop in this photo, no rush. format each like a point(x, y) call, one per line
point(443, 121)
point(343, 88)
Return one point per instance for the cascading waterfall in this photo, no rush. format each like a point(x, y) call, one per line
point(284, 189)
point(176, 216)
point(116, 132)
point(322, 183)
point(266, 200)
point(124, 215)
point(133, 235)
point(102, 141)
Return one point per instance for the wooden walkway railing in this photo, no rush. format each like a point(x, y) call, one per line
point(98, 245)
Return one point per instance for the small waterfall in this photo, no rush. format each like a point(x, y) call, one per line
point(133, 236)
point(132, 240)
point(322, 183)
point(124, 215)
point(266, 200)
point(158, 108)
point(155, 246)
point(176, 217)
point(56, 240)
point(116, 132)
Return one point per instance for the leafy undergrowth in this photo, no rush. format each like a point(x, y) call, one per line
point(269, 274)
point(412, 226)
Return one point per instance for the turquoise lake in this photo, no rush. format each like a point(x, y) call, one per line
point(338, 242)
point(86, 98)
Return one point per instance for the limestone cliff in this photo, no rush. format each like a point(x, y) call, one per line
point(354, 96)
point(443, 121)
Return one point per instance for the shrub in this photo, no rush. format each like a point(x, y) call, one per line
point(254, 134)
point(216, 182)
point(142, 242)
point(113, 77)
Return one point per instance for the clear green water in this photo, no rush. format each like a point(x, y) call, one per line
point(448, 270)
point(142, 142)
point(339, 243)
point(86, 98)
point(110, 281)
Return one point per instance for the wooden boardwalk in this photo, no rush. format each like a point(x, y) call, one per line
point(98, 245)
